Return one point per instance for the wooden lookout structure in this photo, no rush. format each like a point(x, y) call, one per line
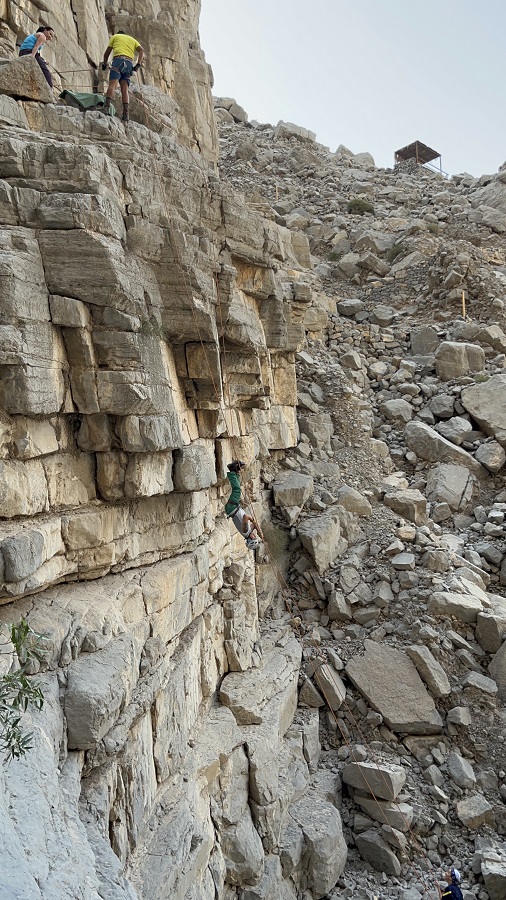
point(422, 154)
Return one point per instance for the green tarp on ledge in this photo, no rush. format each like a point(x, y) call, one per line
point(86, 101)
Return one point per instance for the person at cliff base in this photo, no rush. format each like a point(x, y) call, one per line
point(33, 45)
point(123, 48)
point(452, 891)
point(246, 525)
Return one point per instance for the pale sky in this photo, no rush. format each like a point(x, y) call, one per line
point(374, 75)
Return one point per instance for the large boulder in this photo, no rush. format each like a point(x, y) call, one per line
point(377, 853)
point(493, 869)
point(99, 685)
point(410, 504)
point(325, 851)
point(292, 489)
point(23, 78)
point(195, 466)
point(321, 536)
point(497, 669)
point(391, 684)
point(429, 445)
point(454, 359)
point(485, 403)
point(464, 607)
point(451, 484)
point(384, 781)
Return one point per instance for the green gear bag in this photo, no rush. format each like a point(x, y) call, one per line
point(85, 102)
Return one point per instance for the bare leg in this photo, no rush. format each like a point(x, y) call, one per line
point(124, 96)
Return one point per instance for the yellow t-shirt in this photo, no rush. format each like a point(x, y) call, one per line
point(123, 45)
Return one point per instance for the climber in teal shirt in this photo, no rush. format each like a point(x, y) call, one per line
point(33, 45)
point(246, 525)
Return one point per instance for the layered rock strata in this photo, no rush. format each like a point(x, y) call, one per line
point(148, 331)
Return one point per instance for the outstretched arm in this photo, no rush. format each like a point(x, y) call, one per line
point(140, 51)
point(106, 56)
point(41, 39)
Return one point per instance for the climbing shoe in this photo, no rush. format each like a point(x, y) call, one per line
point(235, 466)
point(252, 543)
point(124, 117)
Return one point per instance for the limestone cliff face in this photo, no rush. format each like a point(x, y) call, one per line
point(147, 335)
point(168, 31)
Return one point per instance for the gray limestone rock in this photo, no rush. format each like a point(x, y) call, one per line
point(354, 501)
point(325, 851)
point(429, 445)
point(485, 403)
point(331, 686)
point(497, 669)
point(430, 670)
point(455, 359)
point(397, 411)
point(195, 467)
point(424, 340)
point(464, 607)
point(23, 78)
point(492, 456)
point(451, 484)
point(384, 781)
point(292, 489)
point(243, 851)
point(377, 853)
point(321, 536)
point(455, 429)
point(461, 771)
point(99, 685)
point(391, 685)
point(410, 504)
point(459, 715)
point(382, 315)
point(475, 811)
point(491, 626)
point(493, 869)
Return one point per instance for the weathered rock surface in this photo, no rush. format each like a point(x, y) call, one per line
point(390, 683)
point(485, 403)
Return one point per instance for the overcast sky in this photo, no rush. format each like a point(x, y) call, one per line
point(374, 75)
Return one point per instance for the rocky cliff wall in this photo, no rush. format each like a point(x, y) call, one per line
point(174, 63)
point(149, 324)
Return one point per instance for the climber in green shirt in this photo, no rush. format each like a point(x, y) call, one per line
point(246, 525)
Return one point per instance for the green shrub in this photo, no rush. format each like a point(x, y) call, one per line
point(394, 252)
point(17, 691)
point(152, 328)
point(359, 206)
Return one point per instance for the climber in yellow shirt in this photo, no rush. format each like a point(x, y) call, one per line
point(123, 48)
